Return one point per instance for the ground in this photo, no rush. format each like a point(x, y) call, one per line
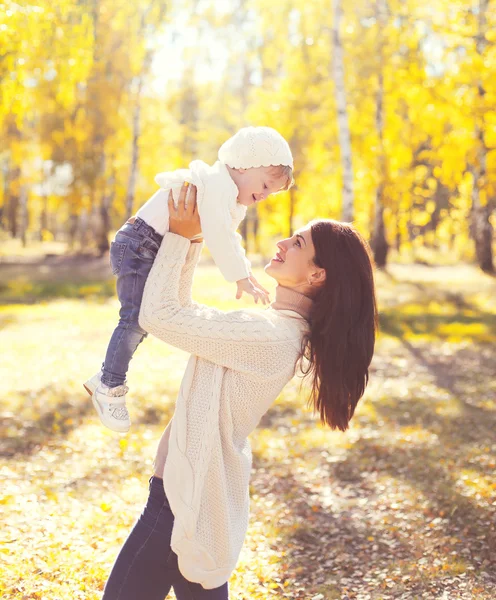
point(402, 506)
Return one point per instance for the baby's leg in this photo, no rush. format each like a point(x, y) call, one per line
point(131, 255)
point(131, 258)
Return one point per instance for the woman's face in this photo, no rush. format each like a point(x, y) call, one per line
point(293, 265)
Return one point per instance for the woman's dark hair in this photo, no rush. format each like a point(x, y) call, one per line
point(343, 322)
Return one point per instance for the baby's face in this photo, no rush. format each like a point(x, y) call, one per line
point(254, 185)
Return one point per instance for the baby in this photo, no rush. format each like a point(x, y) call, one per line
point(253, 164)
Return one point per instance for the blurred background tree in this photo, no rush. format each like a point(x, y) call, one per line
point(389, 107)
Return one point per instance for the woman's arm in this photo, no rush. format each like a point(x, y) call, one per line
point(241, 340)
point(184, 220)
point(187, 272)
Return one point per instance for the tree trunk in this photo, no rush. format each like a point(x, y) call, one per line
point(24, 216)
point(73, 229)
point(131, 186)
point(85, 219)
point(441, 199)
point(133, 176)
point(483, 242)
point(379, 244)
point(43, 216)
point(12, 214)
point(105, 206)
point(4, 208)
point(189, 111)
point(256, 223)
point(481, 226)
point(102, 242)
point(243, 230)
point(98, 125)
point(292, 203)
point(482, 230)
point(398, 237)
point(342, 115)
point(14, 197)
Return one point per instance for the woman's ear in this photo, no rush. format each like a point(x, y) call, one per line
point(317, 277)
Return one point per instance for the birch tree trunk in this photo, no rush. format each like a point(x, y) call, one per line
point(342, 115)
point(97, 122)
point(379, 244)
point(147, 61)
point(133, 175)
point(239, 17)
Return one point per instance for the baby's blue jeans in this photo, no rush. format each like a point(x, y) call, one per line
point(131, 257)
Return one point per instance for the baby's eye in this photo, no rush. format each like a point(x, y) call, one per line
point(265, 187)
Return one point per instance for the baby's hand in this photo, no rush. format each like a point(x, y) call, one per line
point(246, 286)
point(258, 285)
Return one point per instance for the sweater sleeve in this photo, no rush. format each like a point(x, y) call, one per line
point(224, 244)
point(187, 272)
point(242, 340)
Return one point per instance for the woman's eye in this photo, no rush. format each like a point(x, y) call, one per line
point(298, 243)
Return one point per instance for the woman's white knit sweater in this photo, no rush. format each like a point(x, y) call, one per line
point(240, 362)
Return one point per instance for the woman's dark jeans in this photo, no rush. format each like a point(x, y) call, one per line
point(146, 567)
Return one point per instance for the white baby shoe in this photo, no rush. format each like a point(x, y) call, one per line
point(91, 385)
point(109, 403)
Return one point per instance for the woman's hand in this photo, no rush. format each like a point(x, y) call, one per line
point(184, 220)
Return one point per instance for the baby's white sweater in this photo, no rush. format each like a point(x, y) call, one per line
point(220, 213)
point(240, 361)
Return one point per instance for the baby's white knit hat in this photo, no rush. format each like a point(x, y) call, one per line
point(254, 147)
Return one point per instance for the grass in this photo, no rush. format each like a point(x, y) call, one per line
point(401, 506)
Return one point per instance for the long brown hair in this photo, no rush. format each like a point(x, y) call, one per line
point(343, 322)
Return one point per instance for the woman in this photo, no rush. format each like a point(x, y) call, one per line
point(191, 531)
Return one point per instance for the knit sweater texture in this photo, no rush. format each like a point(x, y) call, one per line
point(240, 361)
